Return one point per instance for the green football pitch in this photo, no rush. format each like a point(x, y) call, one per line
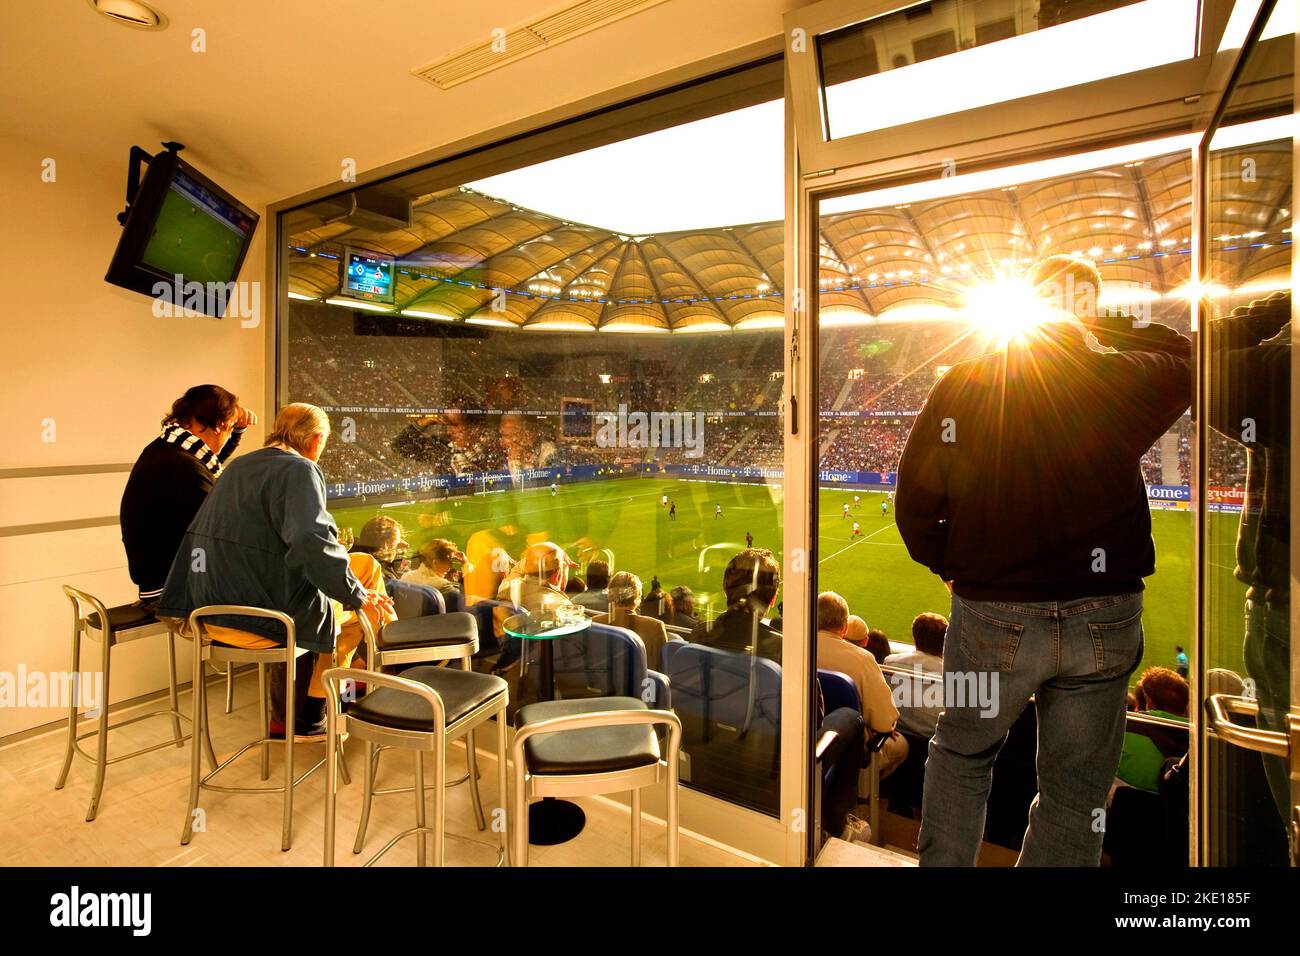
point(625, 517)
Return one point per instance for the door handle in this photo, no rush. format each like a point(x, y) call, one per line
point(1222, 706)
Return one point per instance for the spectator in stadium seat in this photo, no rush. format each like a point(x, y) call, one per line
point(381, 537)
point(683, 608)
point(575, 586)
point(835, 653)
point(878, 644)
point(926, 657)
point(267, 540)
point(438, 566)
point(1160, 693)
point(857, 631)
point(173, 476)
point(594, 597)
point(750, 582)
point(536, 584)
point(624, 603)
point(1021, 487)
point(658, 604)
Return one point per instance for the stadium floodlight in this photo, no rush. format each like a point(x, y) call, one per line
point(425, 314)
point(303, 296)
point(359, 304)
point(1004, 310)
point(495, 323)
point(772, 320)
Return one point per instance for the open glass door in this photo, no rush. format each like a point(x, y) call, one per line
point(1248, 669)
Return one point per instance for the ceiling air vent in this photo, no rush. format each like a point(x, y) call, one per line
point(540, 33)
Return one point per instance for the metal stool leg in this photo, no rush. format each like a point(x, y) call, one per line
point(101, 748)
point(172, 697)
point(286, 836)
point(440, 798)
point(72, 706)
point(503, 784)
point(471, 761)
point(331, 785)
point(343, 764)
point(368, 794)
point(197, 733)
point(636, 827)
point(421, 852)
point(519, 818)
point(262, 715)
point(230, 688)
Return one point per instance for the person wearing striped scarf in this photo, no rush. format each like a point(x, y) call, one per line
point(173, 476)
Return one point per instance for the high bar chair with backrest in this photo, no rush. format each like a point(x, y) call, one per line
point(420, 711)
point(429, 639)
point(206, 650)
point(113, 626)
point(590, 746)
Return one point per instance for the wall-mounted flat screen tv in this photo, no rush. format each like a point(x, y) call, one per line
point(180, 228)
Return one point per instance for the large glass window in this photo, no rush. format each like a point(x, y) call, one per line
point(1246, 548)
point(588, 352)
point(916, 279)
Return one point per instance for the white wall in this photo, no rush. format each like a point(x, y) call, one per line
point(95, 360)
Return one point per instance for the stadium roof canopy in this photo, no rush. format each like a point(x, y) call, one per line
point(470, 257)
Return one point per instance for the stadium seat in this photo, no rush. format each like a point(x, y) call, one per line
point(415, 600)
point(730, 706)
point(602, 661)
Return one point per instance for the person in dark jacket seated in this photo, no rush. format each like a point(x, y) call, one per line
point(264, 539)
point(173, 476)
point(750, 581)
point(683, 608)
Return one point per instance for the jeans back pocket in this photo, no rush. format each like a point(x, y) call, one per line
point(987, 642)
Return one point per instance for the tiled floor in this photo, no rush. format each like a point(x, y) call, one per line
point(144, 802)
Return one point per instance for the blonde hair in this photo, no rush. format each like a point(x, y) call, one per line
point(832, 612)
point(296, 425)
point(625, 590)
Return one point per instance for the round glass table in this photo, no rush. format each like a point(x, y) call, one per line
point(550, 821)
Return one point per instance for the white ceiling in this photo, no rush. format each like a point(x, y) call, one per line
point(288, 90)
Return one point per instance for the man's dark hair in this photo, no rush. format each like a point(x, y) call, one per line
point(575, 585)
point(754, 574)
point(598, 575)
point(683, 599)
point(209, 405)
point(928, 632)
point(878, 644)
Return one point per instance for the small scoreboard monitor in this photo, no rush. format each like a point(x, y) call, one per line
point(577, 418)
point(368, 276)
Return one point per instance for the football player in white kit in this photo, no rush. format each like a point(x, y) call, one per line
point(664, 501)
point(857, 531)
point(845, 513)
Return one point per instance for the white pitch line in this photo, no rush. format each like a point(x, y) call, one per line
point(852, 543)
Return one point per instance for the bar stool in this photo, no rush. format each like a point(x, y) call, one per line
point(423, 640)
point(589, 746)
point(420, 711)
point(111, 627)
point(208, 651)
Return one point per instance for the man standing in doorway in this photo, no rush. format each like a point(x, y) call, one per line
point(1021, 487)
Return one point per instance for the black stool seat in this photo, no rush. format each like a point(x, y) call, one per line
point(461, 691)
point(124, 616)
point(592, 749)
point(432, 630)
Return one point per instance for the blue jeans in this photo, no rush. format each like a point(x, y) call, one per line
point(1073, 658)
point(1268, 662)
